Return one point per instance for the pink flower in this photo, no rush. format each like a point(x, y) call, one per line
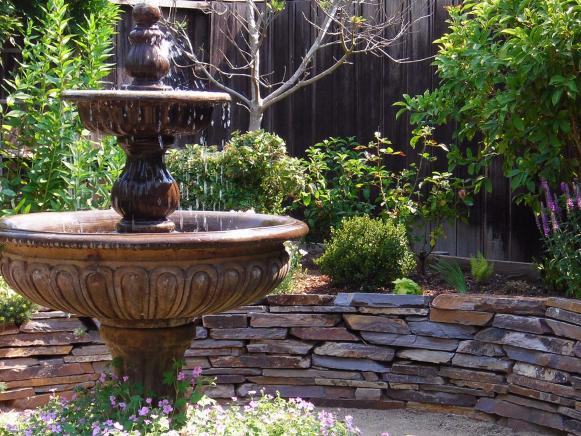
point(181, 376)
point(125, 378)
point(143, 411)
point(148, 400)
point(197, 371)
point(112, 400)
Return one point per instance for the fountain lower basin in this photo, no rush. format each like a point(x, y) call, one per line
point(145, 289)
point(77, 263)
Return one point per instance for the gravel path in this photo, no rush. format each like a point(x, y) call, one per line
point(401, 422)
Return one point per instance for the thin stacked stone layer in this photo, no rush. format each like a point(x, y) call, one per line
point(515, 360)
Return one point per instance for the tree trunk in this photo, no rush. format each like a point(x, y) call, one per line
point(255, 122)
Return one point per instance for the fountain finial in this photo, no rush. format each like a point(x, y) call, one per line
point(147, 62)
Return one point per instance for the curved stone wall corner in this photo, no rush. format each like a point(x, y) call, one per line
point(509, 359)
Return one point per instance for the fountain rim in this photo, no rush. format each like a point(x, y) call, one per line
point(284, 228)
point(159, 96)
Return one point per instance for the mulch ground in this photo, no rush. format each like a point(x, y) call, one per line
point(312, 281)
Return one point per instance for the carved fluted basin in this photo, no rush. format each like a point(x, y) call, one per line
point(77, 263)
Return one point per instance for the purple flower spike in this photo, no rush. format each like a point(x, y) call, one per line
point(545, 221)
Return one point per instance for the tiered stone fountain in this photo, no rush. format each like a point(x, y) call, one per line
point(144, 281)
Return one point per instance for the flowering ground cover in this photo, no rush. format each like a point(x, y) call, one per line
point(117, 407)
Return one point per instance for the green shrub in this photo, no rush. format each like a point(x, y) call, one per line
point(366, 253)
point(345, 178)
point(480, 268)
point(405, 286)
point(252, 172)
point(508, 73)
point(338, 185)
point(13, 307)
point(452, 274)
point(48, 161)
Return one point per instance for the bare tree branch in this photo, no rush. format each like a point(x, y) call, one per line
point(351, 27)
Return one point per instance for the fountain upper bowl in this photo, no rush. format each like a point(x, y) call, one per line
point(145, 113)
point(76, 262)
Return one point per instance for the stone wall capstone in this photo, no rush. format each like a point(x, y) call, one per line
point(515, 360)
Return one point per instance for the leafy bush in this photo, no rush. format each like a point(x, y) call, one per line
point(561, 227)
point(480, 268)
point(509, 74)
point(347, 179)
point(48, 161)
point(405, 286)
point(338, 185)
point(13, 307)
point(117, 407)
point(252, 172)
point(367, 253)
point(452, 274)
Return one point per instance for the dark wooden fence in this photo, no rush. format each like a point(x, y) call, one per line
point(357, 101)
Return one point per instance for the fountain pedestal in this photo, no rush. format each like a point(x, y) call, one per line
point(144, 355)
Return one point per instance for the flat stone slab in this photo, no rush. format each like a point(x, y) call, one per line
point(52, 325)
point(572, 305)
point(342, 349)
point(433, 397)
point(541, 396)
point(425, 355)
point(478, 348)
point(312, 309)
point(460, 317)
point(261, 361)
point(441, 330)
point(414, 368)
point(323, 333)
point(526, 340)
point(225, 321)
point(565, 363)
point(41, 339)
point(490, 303)
point(415, 379)
point(564, 315)
point(288, 346)
point(52, 350)
point(482, 362)
point(213, 343)
point(299, 300)
point(471, 375)
point(511, 410)
point(372, 323)
point(565, 329)
point(381, 300)
point(419, 311)
point(249, 333)
point(289, 391)
point(410, 341)
point(527, 324)
point(541, 373)
point(349, 364)
point(543, 386)
point(293, 320)
point(313, 373)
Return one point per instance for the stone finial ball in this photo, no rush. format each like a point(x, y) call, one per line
point(146, 14)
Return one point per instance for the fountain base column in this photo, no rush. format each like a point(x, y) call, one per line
point(145, 354)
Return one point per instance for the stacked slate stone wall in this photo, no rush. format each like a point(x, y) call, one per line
point(515, 360)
